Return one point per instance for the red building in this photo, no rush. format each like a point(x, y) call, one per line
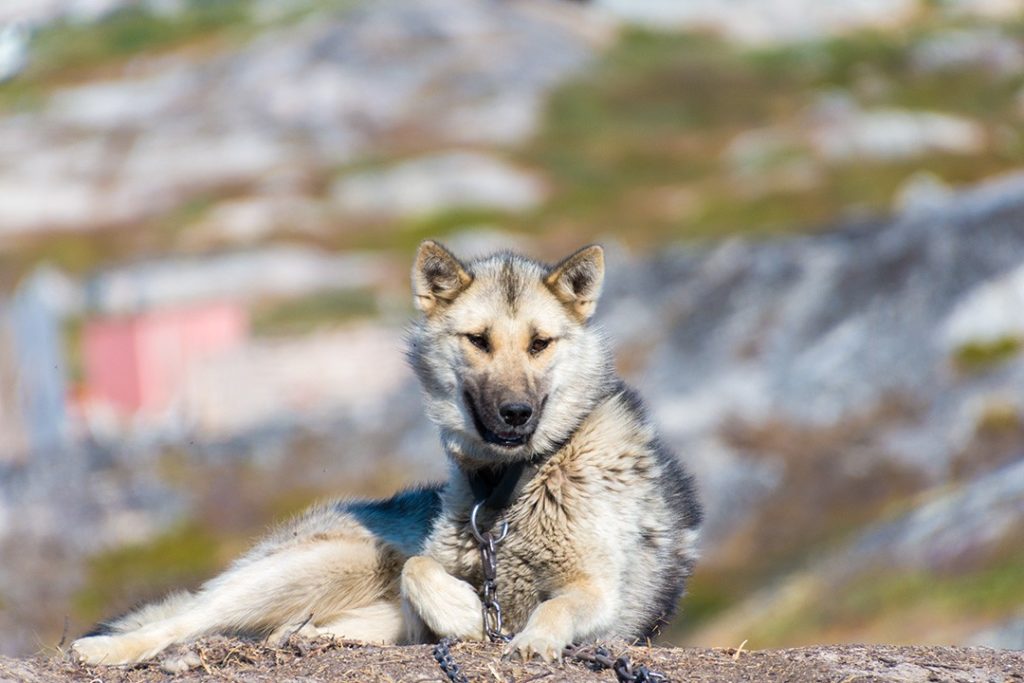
point(138, 363)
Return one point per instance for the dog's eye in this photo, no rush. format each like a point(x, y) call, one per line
point(479, 341)
point(538, 345)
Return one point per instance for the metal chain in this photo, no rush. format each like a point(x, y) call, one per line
point(489, 564)
point(443, 655)
point(600, 659)
point(596, 660)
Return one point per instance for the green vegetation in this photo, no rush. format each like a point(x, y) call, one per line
point(979, 356)
point(639, 145)
point(79, 253)
point(72, 346)
point(793, 528)
point(75, 253)
point(132, 31)
point(1000, 417)
point(117, 579)
point(998, 435)
point(707, 594)
point(815, 508)
point(880, 605)
point(308, 313)
point(440, 224)
point(67, 51)
point(635, 144)
point(642, 145)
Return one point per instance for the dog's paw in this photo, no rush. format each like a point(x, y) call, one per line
point(535, 641)
point(104, 650)
point(178, 664)
point(448, 606)
point(280, 637)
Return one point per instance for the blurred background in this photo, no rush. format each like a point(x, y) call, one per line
point(815, 229)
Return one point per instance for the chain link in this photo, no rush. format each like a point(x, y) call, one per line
point(443, 655)
point(598, 659)
point(489, 565)
point(489, 594)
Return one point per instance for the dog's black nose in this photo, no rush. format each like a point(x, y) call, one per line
point(515, 414)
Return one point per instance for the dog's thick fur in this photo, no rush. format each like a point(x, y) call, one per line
point(602, 537)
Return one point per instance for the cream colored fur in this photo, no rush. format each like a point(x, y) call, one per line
point(325, 568)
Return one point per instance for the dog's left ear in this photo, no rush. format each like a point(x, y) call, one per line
point(577, 280)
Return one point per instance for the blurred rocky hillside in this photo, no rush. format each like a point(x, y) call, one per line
point(814, 216)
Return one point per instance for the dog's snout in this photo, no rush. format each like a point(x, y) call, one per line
point(515, 414)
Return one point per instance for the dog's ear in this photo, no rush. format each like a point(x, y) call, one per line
point(577, 280)
point(437, 277)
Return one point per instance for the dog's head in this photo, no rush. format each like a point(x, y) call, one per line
point(504, 351)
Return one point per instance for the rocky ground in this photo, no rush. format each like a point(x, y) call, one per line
point(224, 659)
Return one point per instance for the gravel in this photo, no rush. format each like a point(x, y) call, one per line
point(322, 660)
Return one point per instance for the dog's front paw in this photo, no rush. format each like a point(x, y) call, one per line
point(537, 641)
point(447, 605)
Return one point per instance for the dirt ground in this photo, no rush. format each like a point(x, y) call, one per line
point(224, 659)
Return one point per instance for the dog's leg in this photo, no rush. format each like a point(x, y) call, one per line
point(576, 611)
point(447, 605)
point(134, 646)
point(381, 623)
point(324, 578)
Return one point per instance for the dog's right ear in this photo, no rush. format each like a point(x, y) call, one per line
point(437, 277)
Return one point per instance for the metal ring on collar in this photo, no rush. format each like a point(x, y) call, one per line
point(476, 529)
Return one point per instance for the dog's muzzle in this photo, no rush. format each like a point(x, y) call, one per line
point(511, 425)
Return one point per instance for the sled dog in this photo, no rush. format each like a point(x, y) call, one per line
point(601, 518)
